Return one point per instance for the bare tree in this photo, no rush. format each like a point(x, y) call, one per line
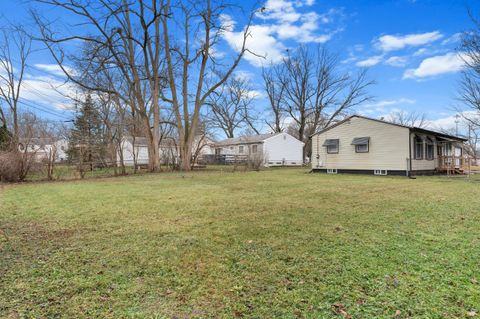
point(469, 93)
point(51, 134)
point(199, 72)
point(275, 90)
point(229, 106)
point(200, 143)
point(473, 139)
point(470, 53)
point(124, 36)
point(135, 35)
point(111, 126)
point(15, 50)
point(317, 93)
point(408, 119)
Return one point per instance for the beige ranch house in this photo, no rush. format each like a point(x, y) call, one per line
point(364, 145)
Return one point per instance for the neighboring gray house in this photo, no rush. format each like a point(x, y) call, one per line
point(279, 149)
point(360, 144)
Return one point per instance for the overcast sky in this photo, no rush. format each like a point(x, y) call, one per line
point(409, 46)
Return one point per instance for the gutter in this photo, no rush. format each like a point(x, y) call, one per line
point(409, 169)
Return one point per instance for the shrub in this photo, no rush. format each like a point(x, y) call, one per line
point(255, 161)
point(10, 167)
point(15, 166)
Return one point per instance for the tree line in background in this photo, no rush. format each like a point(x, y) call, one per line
point(152, 69)
point(470, 83)
point(154, 59)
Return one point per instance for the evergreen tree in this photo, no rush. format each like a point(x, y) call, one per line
point(87, 146)
point(5, 137)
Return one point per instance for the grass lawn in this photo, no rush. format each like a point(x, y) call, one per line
point(271, 244)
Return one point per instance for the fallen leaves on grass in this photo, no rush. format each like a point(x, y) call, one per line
point(339, 309)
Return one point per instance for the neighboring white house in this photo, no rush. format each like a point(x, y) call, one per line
point(135, 150)
point(360, 144)
point(44, 148)
point(279, 149)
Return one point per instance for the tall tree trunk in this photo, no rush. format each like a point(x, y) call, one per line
point(15, 127)
point(185, 156)
point(301, 133)
point(153, 156)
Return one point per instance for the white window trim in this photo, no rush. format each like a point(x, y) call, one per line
point(382, 172)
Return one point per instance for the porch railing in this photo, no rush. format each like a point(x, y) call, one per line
point(454, 163)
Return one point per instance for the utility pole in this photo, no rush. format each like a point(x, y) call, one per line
point(469, 132)
point(457, 120)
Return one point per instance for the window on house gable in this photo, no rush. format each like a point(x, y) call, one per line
point(418, 149)
point(361, 148)
point(240, 149)
point(331, 145)
point(254, 148)
point(361, 144)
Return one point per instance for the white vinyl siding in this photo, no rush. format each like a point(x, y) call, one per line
point(283, 149)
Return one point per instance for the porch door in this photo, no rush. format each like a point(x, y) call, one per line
point(446, 159)
point(447, 151)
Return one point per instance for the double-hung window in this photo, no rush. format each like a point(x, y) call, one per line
point(361, 144)
point(418, 149)
point(331, 145)
point(430, 149)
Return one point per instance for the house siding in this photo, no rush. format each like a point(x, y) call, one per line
point(279, 149)
point(44, 151)
point(140, 153)
point(283, 149)
point(388, 148)
point(234, 149)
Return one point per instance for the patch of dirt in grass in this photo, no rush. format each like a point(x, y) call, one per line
point(34, 231)
point(27, 241)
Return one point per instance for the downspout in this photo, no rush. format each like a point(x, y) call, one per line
point(409, 169)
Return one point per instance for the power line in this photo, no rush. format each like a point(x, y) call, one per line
point(39, 93)
point(38, 108)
